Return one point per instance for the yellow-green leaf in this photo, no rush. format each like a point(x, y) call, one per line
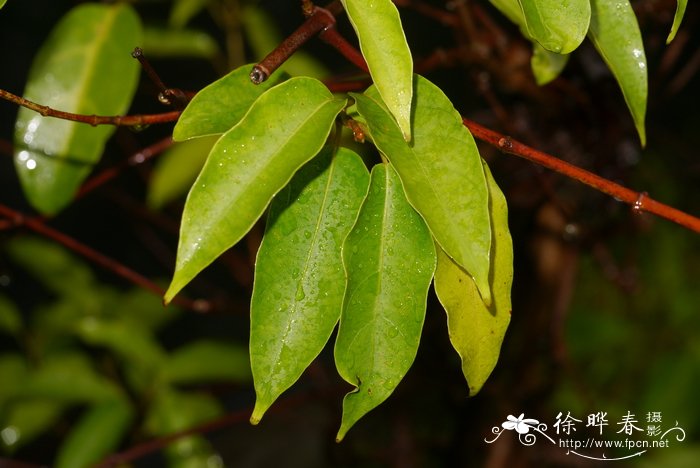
point(383, 44)
point(299, 275)
point(247, 166)
point(85, 66)
point(389, 260)
point(476, 331)
point(615, 33)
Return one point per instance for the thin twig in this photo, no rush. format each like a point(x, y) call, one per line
point(153, 445)
point(37, 225)
point(640, 201)
point(94, 120)
point(135, 159)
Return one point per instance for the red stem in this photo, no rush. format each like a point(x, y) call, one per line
point(119, 120)
point(640, 201)
point(37, 225)
point(137, 158)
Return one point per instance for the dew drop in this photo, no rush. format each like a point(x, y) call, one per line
point(300, 294)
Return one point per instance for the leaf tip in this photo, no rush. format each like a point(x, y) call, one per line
point(171, 292)
point(258, 412)
point(485, 292)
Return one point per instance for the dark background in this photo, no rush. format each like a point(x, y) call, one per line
point(606, 309)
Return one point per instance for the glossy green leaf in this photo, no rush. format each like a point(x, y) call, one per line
point(222, 104)
point(558, 26)
point(546, 65)
point(442, 174)
point(476, 331)
point(383, 44)
point(263, 37)
point(183, 11)
point(75, 71)
point(177, 169)
point(615, 33)
point(10, 318)
point(247, 167)
point(2, 3)
point(677, 19)
point(168, 43)
point(206, 361)
point(299, 275)
point(389, 259)
point(97, 434)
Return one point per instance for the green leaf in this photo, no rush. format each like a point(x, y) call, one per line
point(389, 259)
point(2, 3)
point(299, 275)
point(476, 331)
point(75, 71)
point(222, 104)
point(442, 174)
point(615, 33)
point(10, 318)
point(70, 378)
point(247, 167)
point(28, 419)
point(135, 346)
point(174, 411)
point(13, 371)
point(207, 361)
point(55, 268)
point(677, 19)
point(383, 44)
point(263, 37)
point(98, 433)
point(143, 309)
point(546, 65)
point(168, 43)
point(184, 10)
point(558, 26)
point(177, 170)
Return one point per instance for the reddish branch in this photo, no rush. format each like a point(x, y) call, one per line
point(37, 225)
point(319, 19)
point(119, 120)
point(135, 159)
point(640, 201)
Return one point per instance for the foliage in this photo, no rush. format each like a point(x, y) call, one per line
point(97, 348)
point(344, 248)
